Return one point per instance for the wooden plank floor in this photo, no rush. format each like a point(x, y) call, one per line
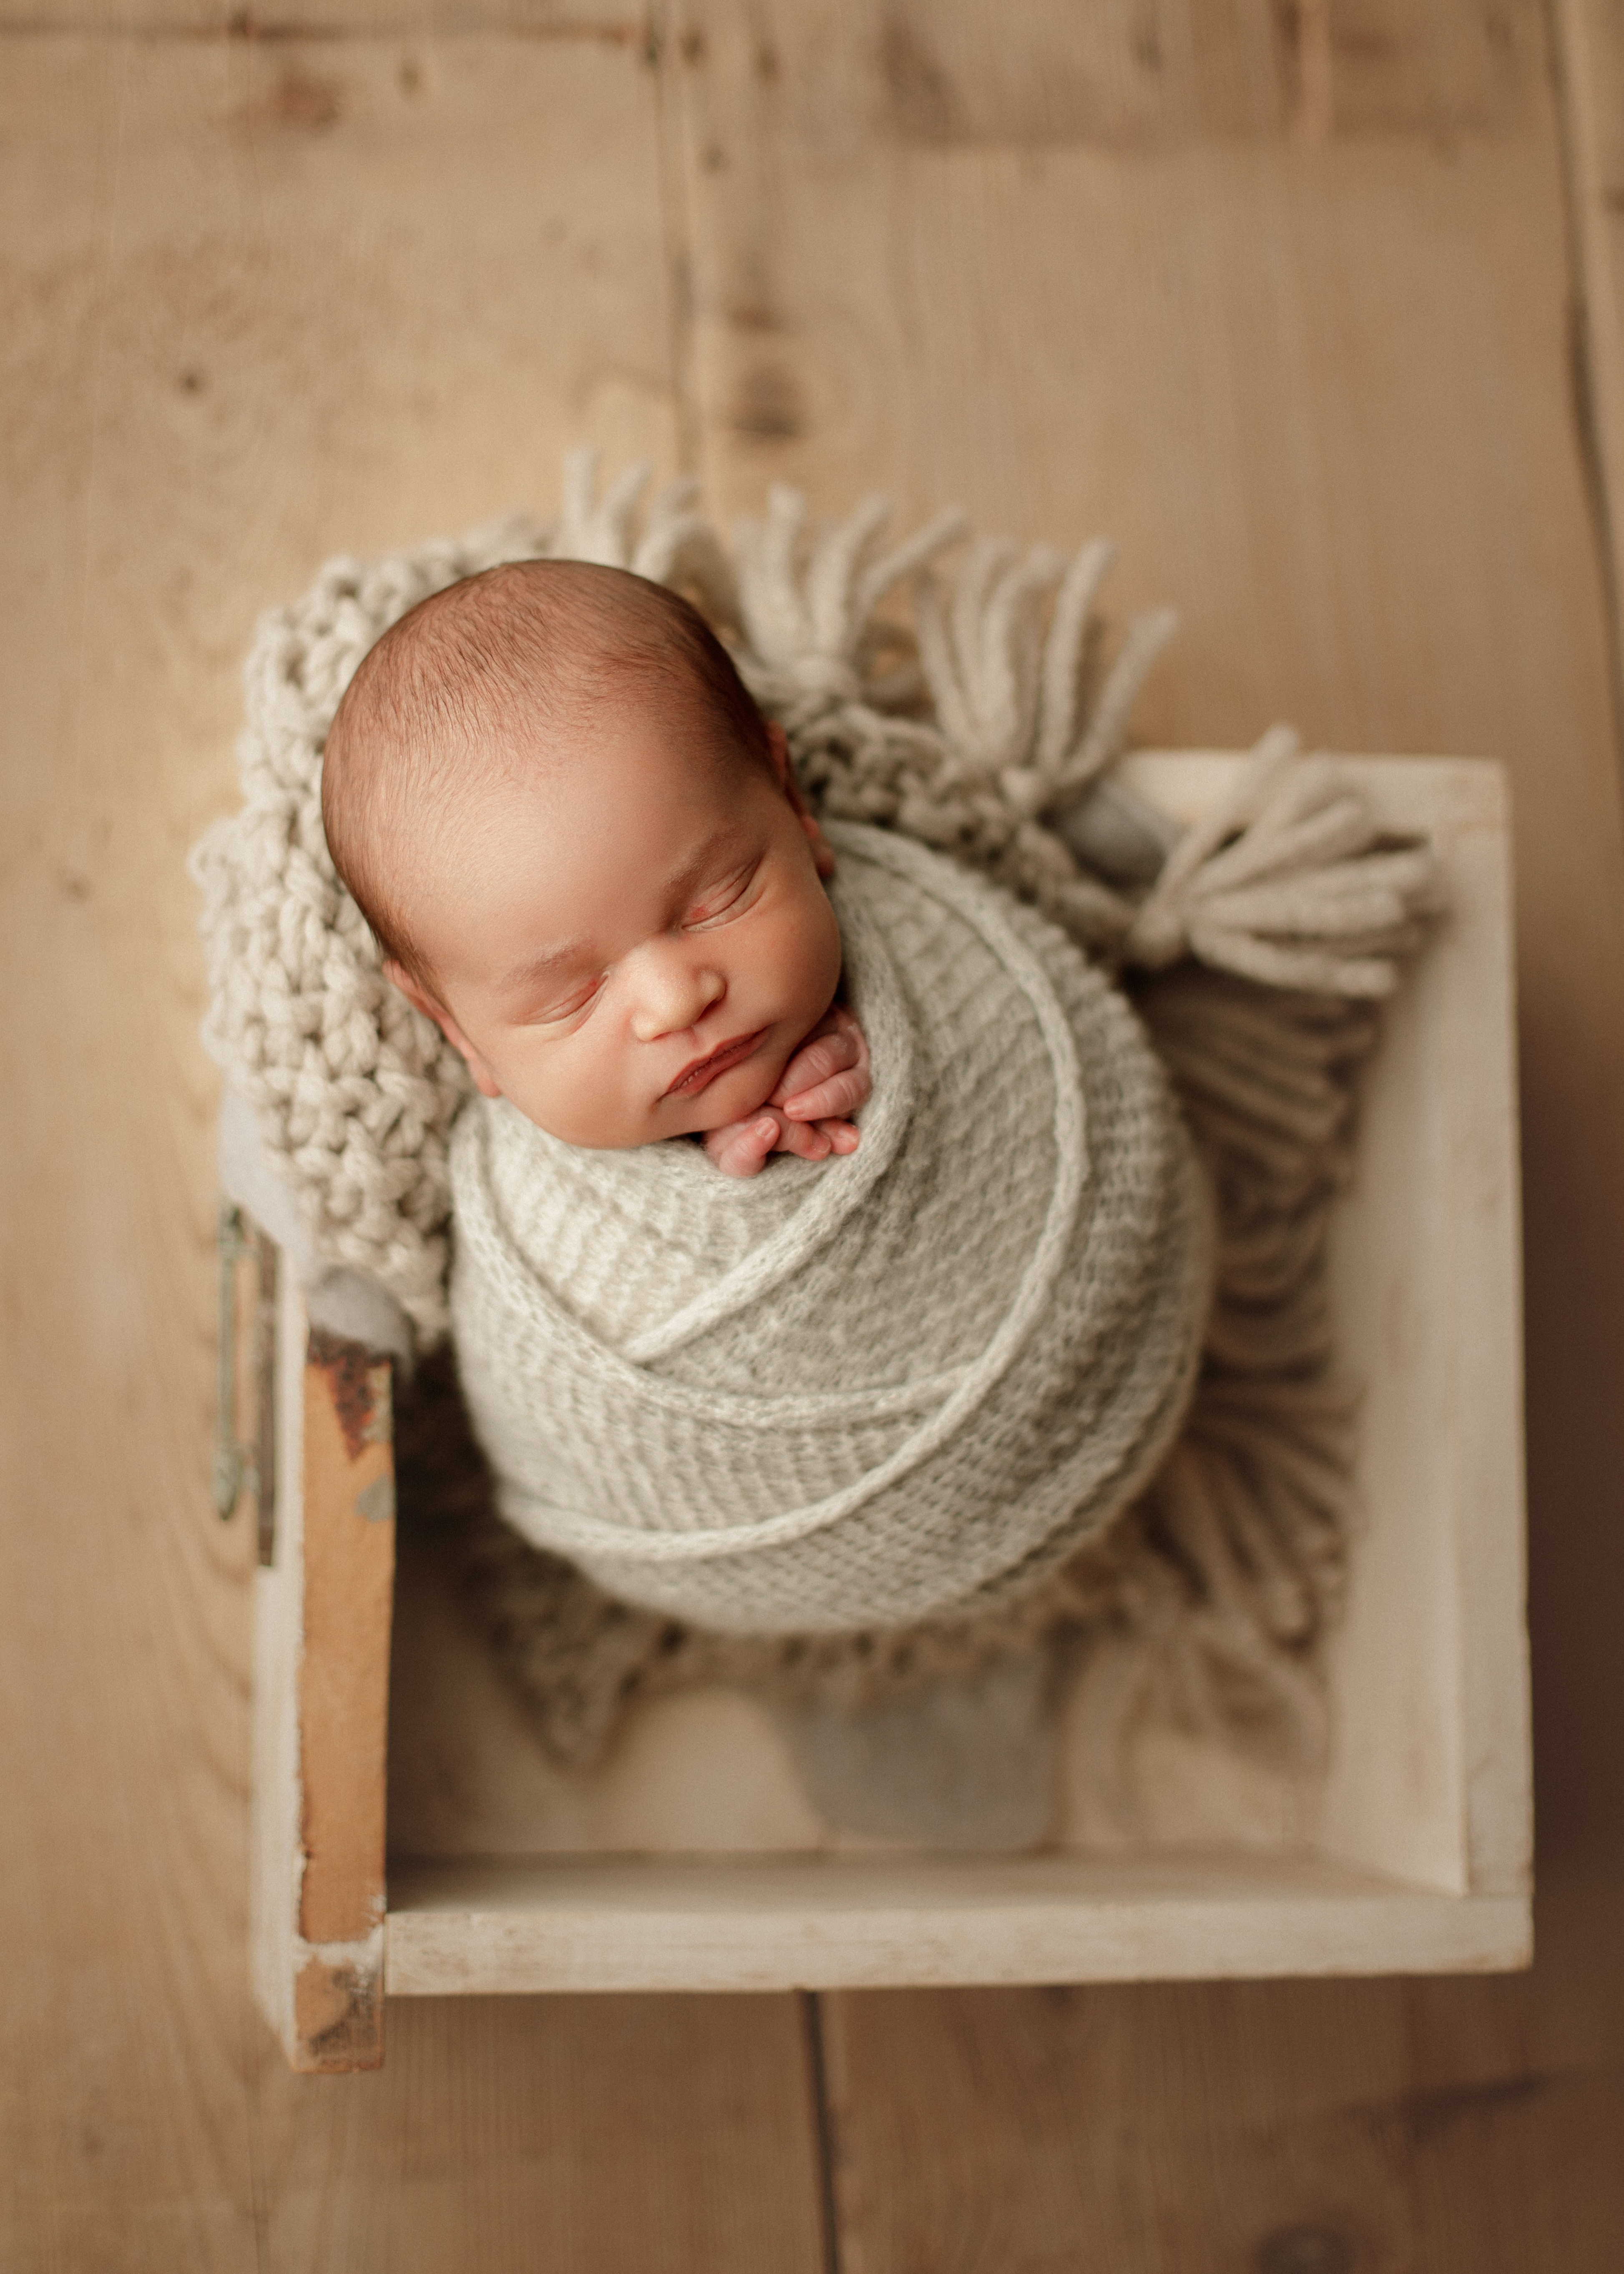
point(1315, 309)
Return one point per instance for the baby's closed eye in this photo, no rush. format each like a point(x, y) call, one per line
point(725, 898)
point(558, 1010)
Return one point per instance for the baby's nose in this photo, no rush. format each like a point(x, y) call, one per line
point(673, 992)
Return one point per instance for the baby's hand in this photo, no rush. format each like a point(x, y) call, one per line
point(827, 1079)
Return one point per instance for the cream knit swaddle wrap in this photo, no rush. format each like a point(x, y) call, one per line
point(873, 1390)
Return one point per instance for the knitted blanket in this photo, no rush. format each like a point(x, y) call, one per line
point(887, 1388)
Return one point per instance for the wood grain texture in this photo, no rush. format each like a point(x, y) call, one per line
point(589, 2133)
point(1279, 299)
point(1590, 62)
point(1241, 2130)
point(413, 23)
point(247, 327)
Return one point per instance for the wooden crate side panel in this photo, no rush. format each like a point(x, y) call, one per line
point(673, 1923)
point(349, 1569)
point(321, 1692)
point(1431, 1774)
point(1480, 1069)
point(275, 1847)
point(343, 1687)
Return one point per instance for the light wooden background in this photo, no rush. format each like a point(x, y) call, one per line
point(1315, 305)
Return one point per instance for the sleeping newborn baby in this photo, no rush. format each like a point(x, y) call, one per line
point(586, 858)
point(844, 1383)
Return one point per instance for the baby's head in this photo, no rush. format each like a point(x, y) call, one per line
point(583, 851)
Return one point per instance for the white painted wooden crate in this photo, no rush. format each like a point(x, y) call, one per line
point(695, 1860)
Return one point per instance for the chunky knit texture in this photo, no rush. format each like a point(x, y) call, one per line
point(883, 1387)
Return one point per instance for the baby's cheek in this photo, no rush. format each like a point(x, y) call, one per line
point(581, 1096)
point(818, 952)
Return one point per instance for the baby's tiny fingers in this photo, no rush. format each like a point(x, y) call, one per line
point(740, 1150)
point(832, 1053)
point(829, 1054)
point(802, 1138)
point(831, 1100)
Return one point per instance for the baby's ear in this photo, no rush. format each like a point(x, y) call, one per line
point(823, 851)
point(420, 999)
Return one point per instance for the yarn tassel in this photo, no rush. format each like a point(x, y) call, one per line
point(675, 546)
point(806, 608)
point(1287, 882)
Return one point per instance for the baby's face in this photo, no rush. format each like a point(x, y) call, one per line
point(630, 936)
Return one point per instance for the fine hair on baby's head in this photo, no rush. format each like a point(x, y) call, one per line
point(477, 680)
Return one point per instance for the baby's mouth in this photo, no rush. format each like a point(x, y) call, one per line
point(703, 1072)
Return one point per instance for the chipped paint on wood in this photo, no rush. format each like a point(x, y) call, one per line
point(354, 1372)
point(338, 2006)
point(376, 1501)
